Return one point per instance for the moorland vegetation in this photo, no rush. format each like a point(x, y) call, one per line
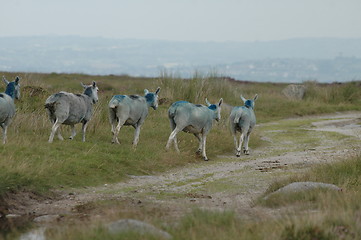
point(29, 163)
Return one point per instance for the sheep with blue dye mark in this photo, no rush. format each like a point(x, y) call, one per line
point(242, 119)
point(193, 118)
point(70, 109)
point(7, 105)
point(131, 110)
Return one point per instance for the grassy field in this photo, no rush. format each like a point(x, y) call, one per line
point(29, 163)
point(321, 215)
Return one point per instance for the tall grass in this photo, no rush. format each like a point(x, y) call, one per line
point(197, 88)
point(29, 162)
point(335, 93)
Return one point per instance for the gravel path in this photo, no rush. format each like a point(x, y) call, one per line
point(225, 183)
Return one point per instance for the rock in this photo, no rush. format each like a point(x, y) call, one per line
point(304, 186)
point(46, 218)
point(124, 225)
point(35, 234)
point(294, 91)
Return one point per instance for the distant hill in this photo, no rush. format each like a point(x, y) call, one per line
point(294, 60)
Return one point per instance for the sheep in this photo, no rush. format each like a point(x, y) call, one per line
point(193, 118)
point(70, 109)
point(130, 110)
point(243, 120)
point(7, 105)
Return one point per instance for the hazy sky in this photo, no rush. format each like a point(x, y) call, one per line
point(199, 20)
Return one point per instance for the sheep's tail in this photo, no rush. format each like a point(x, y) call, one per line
point(173, 108)
point(113, 114)
point(238, 115)
point(171, 112)
point(114, 102)
point(113, 107)
point(50, 105)
point(52, 100)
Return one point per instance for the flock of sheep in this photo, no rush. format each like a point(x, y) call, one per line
point(70, 109)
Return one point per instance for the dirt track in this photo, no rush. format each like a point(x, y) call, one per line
point(224, 183)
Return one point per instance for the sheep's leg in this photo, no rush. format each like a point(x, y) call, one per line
point(238, 153)
point(238, 150)
point(204, 137)
point(113, 130)
point(53, 130)
point(73, 132)
point(199, 137)
point(234, 134)
point(172, 138)
point(60, 137)
point(116, 131)
point(112, 121)
point(245, 146)
point(83, 129)
point(173, 126)
point(5, 130)
point(176, 144)
point(112, 127)
point(136, 135)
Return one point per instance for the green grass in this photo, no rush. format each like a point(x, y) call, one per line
point(99, 233)
point(320, 214)
point(346, 174)
point(29, 163)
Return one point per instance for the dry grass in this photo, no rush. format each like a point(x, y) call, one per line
point(29, 163)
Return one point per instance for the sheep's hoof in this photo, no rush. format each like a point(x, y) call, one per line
point(238, 154)
point(246, 152)
point(205, 159)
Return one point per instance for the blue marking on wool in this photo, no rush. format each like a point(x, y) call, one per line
point(88, 91)
point(119, 97)
point(149, 97)
point(248, 103)
point(213, 107)
point(10, 89)
point(179, 103)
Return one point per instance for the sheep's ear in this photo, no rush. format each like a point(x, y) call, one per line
point(220, 102)
point(208, 103)
point(94, 84)
point(255, 97)
point(5, 81)
point(243, 99)
point(17, 80)
point(157, 91)
point(83, 85)
point(146, 91)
